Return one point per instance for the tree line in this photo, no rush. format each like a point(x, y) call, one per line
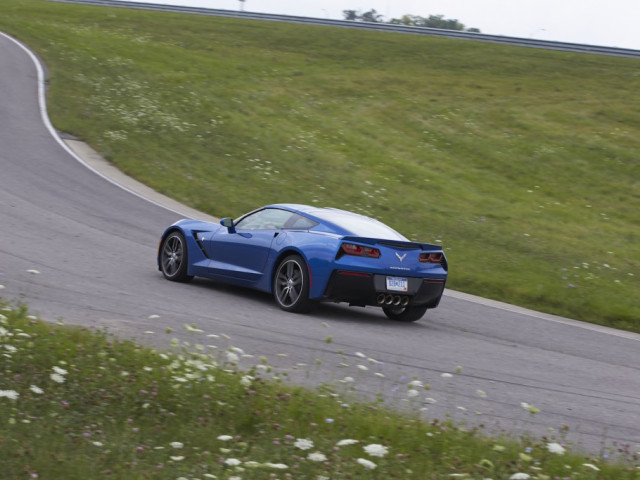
point(432, 21)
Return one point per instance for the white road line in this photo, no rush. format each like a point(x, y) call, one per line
point(541, 315)
point(151, 196)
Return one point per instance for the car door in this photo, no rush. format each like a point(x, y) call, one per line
point(242, 252)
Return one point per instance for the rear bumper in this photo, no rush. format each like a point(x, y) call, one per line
point(370, 289)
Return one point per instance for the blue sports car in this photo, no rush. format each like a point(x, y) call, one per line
point(304, 255)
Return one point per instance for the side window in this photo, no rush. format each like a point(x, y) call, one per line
point(298, 222)
point(266, 219)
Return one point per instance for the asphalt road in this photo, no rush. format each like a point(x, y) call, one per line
point(94, 244)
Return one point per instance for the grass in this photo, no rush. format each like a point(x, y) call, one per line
point(79, 404)
point(523, 163)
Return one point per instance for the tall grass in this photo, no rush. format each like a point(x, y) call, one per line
point(523, 163)
point(79, 404)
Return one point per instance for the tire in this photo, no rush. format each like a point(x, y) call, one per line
point(291, 285)
point(405, 314)
point(174, 258)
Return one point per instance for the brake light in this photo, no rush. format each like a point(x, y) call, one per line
point(360, 251)
point(431, 257)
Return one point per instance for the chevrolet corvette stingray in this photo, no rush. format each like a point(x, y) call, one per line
point(304, 255)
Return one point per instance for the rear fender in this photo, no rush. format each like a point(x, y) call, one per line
point(273, 264)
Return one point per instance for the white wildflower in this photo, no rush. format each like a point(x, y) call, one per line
point(556, 448)
point(278, 466)
point(369, 465)
point(317, 457)
point(232, 358)
point(346, 441)
point(10, 394)
point(303, 444)
point(376, 450)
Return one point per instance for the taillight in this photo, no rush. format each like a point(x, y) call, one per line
point(430, 257)
point(359, 250)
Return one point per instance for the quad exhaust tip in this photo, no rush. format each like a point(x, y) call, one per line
point(389, 299)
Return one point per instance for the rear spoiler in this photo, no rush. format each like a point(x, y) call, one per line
point(407, 245)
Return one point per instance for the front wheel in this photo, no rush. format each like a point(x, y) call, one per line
point(405, 314)
point(174, 258)
point(291, 285)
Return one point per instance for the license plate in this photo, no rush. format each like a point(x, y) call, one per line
point(397, 284)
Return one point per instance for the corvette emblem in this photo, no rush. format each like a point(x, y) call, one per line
point(401, 257)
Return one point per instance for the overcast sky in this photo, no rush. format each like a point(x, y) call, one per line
point(612, 23)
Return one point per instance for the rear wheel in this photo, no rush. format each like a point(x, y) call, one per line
point(291, 285)
point(174, 258)
point(405, 314)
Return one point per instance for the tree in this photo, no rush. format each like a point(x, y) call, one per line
point(372, 16)
point(432, 21)
point(351, 15)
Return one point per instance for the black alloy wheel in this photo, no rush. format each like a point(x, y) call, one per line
point(174, 258)
point(291, 285)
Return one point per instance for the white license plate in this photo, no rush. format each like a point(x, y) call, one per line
point(397, 284)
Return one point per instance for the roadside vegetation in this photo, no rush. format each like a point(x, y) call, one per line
point(522, 163)
point(80, 404)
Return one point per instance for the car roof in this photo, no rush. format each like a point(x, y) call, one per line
point(343, 221)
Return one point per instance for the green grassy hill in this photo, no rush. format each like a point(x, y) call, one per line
point(523, 163)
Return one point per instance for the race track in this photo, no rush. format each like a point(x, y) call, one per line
point(94, 244)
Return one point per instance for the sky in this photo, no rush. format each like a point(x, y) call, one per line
point(611, 23)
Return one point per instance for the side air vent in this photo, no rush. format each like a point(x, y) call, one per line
point(199, 242)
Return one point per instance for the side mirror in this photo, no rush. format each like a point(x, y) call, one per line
point(228, 222)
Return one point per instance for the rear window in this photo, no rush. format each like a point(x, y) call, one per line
point(358, 225)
